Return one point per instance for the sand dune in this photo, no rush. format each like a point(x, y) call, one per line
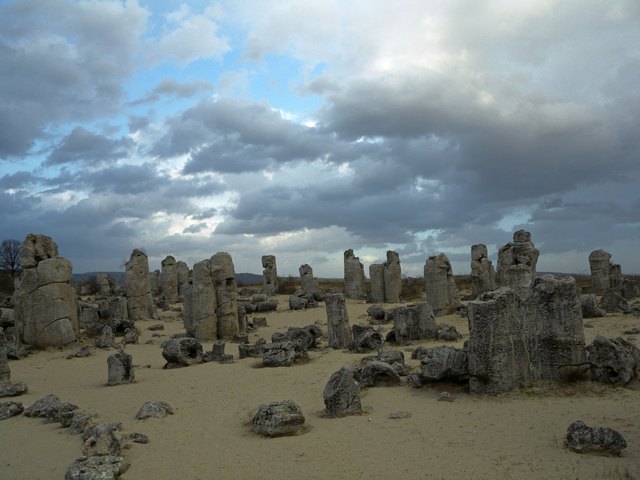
point(517, 435)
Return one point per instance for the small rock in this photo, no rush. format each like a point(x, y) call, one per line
point(10, 409)
point(105, 467)
point(446, 397)
point(278, 418)
point(154, 408)
point(581, 439)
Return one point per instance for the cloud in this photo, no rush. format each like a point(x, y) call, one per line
point(169, 87)
point(81, 145)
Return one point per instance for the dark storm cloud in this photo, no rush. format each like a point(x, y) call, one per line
point(81, 145)
point(20, 179)
point(61, 61)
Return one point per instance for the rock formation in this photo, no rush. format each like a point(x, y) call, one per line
point(136, 283)
point(201, 320)
point(376, 274)
point(442, 292)
point(182, 270)
point(413, 322)
point(581, 439)
point(517, 262)
point(269, 274)
point(169, 280)
point(46, 313)
point(120, 368)
point(309, 284)
point(354, 286)
point(278, 418)
point(338, 329)
point(514, 339)
point(342, 394)
point(102, 285)
point(224, 281)
point(482, 274)
point(392, 278)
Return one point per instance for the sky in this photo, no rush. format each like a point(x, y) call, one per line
point(304, 128)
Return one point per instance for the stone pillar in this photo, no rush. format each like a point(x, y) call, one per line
point(309, 284)
point(46, 313)
point(600, 265)
point(376, 274)
point(392, 278)
point(442, 292)
point(414, 322)
point(120, 367)
point(224, 281)
point(136, 283)
point(482, 274)
point(497, 349)
point(154, 282)
point(521, 256)
point(269, 274)
point(615, 276)
point(5, 371)
point(169, 279)
point(182, 270)
point(201, 319)
point(102, 283)
point(354, 286)
point(338, 329)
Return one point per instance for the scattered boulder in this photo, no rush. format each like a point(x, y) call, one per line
point(342, 394)
point(590, 308)
point(254, 351)
point(217, 353)
point(102, 439)
point(297, 303)
point(581, 439)
point(614, 361)
point(10, 409)
point(40, 408)
point(13, 389)
point(120, 367)
point(413, 322)
point(282, 354)
point(377, 313)
point(447, 333)
point(371, 372)
point(278, 418)
point(130, 336)
point(444, 363)
point(182, 352)
point(365, 339)
point(104, 467)
point(154, 408)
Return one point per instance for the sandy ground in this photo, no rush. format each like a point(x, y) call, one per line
point(517, 435)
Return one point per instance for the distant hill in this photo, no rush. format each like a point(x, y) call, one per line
point(241, 278)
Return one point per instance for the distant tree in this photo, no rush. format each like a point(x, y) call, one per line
point(10, 256)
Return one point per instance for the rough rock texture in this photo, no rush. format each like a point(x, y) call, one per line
point(444, 363)
point(615, 361)
point(106, 338)
point(515, 338)
point(102, 283)
point(354, 286)
point(10, 409)
point(582, 439)
point(392, 278)
point(118, 313)
point(372, 371)
point(377, 313)
point(553, 326)
point(46, 313)
point(442, 293)
point(5, 371)
point(414, 322)
point(253, 351)
point(282, 354)
point(297, 303)
point(365, 339)
point(182, 270)
point(102, 439)
point(338, 329)
point(169, 279)
point(590, 308)
point(269, 274)
point(482, 273)
point(629, 289)
point(39, 408)
point(105, 467)
point(137, 287)
point(201, 320)
point(224, 281)
point(13, 389)
point(154, 408)
point(154, 282)
point(376, 274)
point(600, 265)
point(278, 418)
point(309, 284)
point(517, 262)
point(615, 276)
point(613, 302)
point(120, 368)
point(497, 349)
point(342, 394)
point(182, 352)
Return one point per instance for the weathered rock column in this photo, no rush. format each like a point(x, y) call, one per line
point(308, 283)
point(269, 274)
point(600, 265)
point(354, 286)
point(182, 270)
point(517, 262)
point(482, 274)
point(136, 283)
point(392, 278)
point(46, 313)
point(414, 322)
point(5, 371)
point(442, 292)
point(169, 279)
point(120, 367)
point(376, 274)
point(224, 281)
point(338, 329)
point(201, 320)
